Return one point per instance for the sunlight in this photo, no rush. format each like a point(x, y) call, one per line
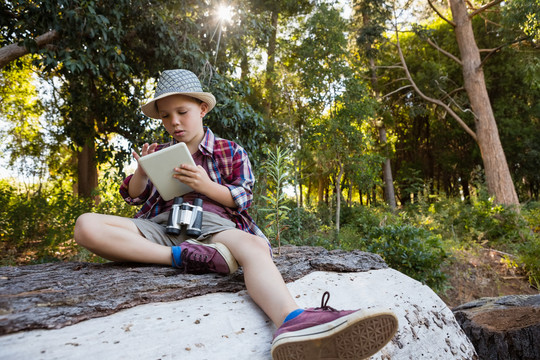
point(224, 12)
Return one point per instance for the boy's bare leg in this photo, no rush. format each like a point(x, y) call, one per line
point(263, 281)
point(118, 239)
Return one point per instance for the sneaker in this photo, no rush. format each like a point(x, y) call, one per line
point(201, 258)
point(326, 333)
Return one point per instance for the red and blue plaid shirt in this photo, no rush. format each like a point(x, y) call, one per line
point(228, 165)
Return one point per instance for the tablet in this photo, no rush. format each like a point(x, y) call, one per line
point(159, 166)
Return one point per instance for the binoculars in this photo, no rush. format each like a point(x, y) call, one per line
point(184, 214)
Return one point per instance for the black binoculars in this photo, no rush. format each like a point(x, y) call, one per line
point(184, 214)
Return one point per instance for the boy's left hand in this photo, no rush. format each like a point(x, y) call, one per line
point(194, 176)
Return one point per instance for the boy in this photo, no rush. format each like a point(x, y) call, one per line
point(223, 179)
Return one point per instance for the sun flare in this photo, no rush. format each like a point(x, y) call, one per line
point(225, 12)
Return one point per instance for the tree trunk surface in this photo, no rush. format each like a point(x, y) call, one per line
point(54, 295)
point(87, 178)
point(270, 65)
point(389, 194)
point(498, 178)
point(506, 327)
point(338, 195)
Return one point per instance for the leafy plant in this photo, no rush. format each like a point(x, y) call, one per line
point(276, 167)
point(414, 251)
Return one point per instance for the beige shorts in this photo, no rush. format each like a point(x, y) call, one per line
point(154, 229)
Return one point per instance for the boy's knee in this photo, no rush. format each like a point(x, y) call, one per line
point(84, 227)
point(260, 243)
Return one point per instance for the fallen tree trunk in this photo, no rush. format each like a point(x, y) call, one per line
point(54, 295)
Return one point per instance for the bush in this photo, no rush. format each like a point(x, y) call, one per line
point(479, 222)
point(529, 256)
point(413, 251)
point(305, 228)
point(37, 226)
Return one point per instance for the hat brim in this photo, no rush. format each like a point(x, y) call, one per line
point(150, 109)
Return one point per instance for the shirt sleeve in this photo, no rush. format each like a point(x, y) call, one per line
point(139, 200)
point(240, 180)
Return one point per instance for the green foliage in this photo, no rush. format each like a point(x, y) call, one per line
point(484, 223)
point(414, 251)
point(277, 168)
point(37, 226)
point(234, 118)
point(411, 249)
point(481, 221)
point(529, 256)
point(309, 227)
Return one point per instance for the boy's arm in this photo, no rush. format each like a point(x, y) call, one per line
point(139, 181)
point(137, 184)
point(234, 189)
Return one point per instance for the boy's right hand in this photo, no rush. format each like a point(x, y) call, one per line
point(146, 150)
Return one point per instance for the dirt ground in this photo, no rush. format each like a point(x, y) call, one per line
point(483, 273)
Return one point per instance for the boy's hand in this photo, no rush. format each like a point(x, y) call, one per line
point(194, 176)
point(146, 149)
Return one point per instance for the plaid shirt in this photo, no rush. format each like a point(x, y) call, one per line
point(228, 165)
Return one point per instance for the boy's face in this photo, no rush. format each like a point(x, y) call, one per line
point(182, 117)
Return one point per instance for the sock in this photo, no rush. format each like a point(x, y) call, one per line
point(176, 259)
point(293, 314)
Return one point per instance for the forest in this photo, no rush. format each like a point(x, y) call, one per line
point(406, 128)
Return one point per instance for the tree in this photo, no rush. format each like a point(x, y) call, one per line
point(102, 55)
point(372, 15)
point(20, 109)
point(318, 63)
point(283, 8)
point(498, 178)
point(105, 56)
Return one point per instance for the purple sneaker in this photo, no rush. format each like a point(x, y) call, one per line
point(201, 258)
point(326, 333)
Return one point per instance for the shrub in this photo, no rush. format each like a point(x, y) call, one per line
point(37, 226)
point(529, 256)
point(306, 228)
point(411, 250)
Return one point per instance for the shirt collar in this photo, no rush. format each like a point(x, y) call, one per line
point(207, 144)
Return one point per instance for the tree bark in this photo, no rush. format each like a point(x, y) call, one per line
point(54, 295)
point(387, 168)
point(87, 176)
point(338, 195)
point(270, 64)
point(320, 191)
point(14, 51)
point(389, 194)
point(499, 181)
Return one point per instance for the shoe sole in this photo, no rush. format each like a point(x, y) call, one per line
point(356, 336)
point(222, 250)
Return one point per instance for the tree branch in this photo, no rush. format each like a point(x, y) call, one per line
point(441, 15)
point(14, 51)
point(438, 48)
point(389, 67)
point(493, 51)
point(395, 91)
point(429, 99)
point(448, 95)
point(485, 7)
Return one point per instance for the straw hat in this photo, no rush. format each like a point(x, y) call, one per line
point(181, 82)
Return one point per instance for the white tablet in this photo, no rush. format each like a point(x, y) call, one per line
point(159, 166)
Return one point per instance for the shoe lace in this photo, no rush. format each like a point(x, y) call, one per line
point(194, 262)
point(324, 302)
